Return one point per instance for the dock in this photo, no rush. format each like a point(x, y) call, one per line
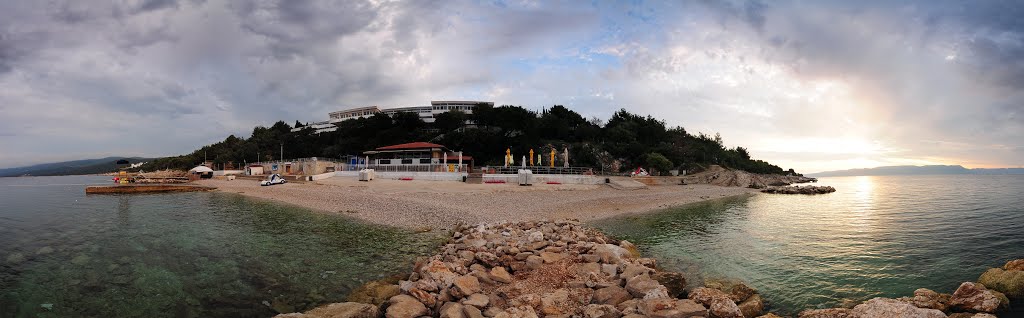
point(146, 188)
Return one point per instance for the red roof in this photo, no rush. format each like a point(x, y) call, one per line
point(411, 145)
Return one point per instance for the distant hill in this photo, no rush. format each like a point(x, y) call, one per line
point(76, 167)
point(915, 170)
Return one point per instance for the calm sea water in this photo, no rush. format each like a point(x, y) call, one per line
point(874, 237)
point(67, 254)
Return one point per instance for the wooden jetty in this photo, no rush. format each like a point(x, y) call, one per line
point(146, 188)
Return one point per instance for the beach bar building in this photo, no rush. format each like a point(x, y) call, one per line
point(418, 156)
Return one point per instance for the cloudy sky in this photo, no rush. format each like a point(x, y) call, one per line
point(810, 85)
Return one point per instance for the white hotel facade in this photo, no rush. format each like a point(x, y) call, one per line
point(426, 113)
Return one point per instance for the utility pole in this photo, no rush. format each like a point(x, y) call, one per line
point(282, 152)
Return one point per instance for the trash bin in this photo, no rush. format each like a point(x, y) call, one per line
point(525, 177)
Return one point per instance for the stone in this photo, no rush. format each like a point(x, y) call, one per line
point(929, 299)
point(1008, 282)
point(451, 310)
point(753, 306)
point(534, 262)
point(478, 300)
point(549, 257)
point(769, 315)
point(719, 304)
point(555, 303)
point(585, 269)
point(738, 291)
point(501, 275)
point(630, 248)
point(405, 306)
point(487, 258)
point(472, 312)
point(629, 307)
point(601, 311)
point(375, 292)
point(346, 309)
point(438, 272)
point(673, 281)
point(610, 269)
point(590, 258)
point(535, 236)
point(671, 308)
point(522, 256)
point(1014, 265)
point(465, 285)
point(518, 312)
point(492, 311)
point(611, 254)
point(611, 295)
point(645, 287)
point(976, 298)
point(886, 308)
point(424, 297)
point(632, 270)
point(827, 313)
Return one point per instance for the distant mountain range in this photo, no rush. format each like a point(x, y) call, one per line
point(914, 170)
point(76, 167)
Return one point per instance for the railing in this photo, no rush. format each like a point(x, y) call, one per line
point(539, 170)
point(407, 168)
point(300, 160)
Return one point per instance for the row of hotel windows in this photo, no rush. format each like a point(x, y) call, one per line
point(356, 114)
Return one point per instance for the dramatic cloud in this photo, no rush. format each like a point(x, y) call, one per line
point(809, 85)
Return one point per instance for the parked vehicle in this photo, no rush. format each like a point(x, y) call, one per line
point(273, 179)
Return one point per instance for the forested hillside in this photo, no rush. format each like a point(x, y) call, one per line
point(621, 144)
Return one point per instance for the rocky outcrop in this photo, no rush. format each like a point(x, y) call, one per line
point(339, 310)
point(1008, 280)
point(928, 299)
point(827, 313)
point(885, 308)
point(975, 297)
point(717, 175)
point(718, 302)
point(800, 190)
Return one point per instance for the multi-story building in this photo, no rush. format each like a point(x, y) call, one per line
point(426, 113)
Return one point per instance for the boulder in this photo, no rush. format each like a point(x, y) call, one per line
point(976, 298)
point(673, 281)
point(752, 307)
point(517, 312)
point(971, 315)
point(892, 308)
point(534, 262)
point(472, 312)
point(346, 310)
point(501, 275)
point(633, 251)
point(478, 300)
point(1014, 265)
point(738, 291)
point(611, 254)
point(769, 315)
point(671, 308)
point(451, 310)
point(1008, 282)
point(555, 303)
point(611, 295)
point(645, 287)
point(486, 258)
point(549, 257)
point(601, 311)
point(827, 313)
point(633, 270)
point(424, 297)
point(438, 272)
point(929, 299)
point(375, 292)
point(718, 303)
point(465, 285)
point(405, 306)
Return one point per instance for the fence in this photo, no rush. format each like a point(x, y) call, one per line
point(408, 168)
point(539, 170)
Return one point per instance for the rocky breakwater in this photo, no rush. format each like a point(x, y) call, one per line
point(979, 300)
point(546, 269)
point(800, 190)
point(720, 176)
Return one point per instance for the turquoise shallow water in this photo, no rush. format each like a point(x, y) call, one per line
point(67, 254)
point(874, 237)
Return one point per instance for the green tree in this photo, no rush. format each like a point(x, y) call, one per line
point(657, 163)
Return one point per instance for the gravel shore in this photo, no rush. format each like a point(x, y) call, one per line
point(439, 204)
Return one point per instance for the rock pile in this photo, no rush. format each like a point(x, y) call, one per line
point(554, 269)
point(978, 300)
point(800, 190)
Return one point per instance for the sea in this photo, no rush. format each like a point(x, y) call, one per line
point(67, 254)
point(876, 236)
point(203, 254)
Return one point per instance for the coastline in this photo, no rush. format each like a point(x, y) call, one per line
point(443, 205)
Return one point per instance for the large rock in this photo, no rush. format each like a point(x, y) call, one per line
point(752, 307)
point(827, 313)
point(404, 306)
point(671, 308)
point(451, 310)
point(438, 272)
point(517, 312)
point(976, 298)
point(555, 303)
point(674, 282)
point(719, 304)
point(1014, 265)
point(611, 254)
point(465, 285)
point(891, 308)
point(375, 292)
point(339, 310)
point(737, 290)
point(769, 315)
point(1008, 282)
point(929, 299)
point(601, 311)
point(501, 275)
point(611, 295)
point(645, 287)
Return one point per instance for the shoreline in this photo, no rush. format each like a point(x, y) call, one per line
point(443, 205)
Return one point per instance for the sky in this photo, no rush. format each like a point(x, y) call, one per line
point(809, 85)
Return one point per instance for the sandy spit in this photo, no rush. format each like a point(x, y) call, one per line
point(441, 205)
